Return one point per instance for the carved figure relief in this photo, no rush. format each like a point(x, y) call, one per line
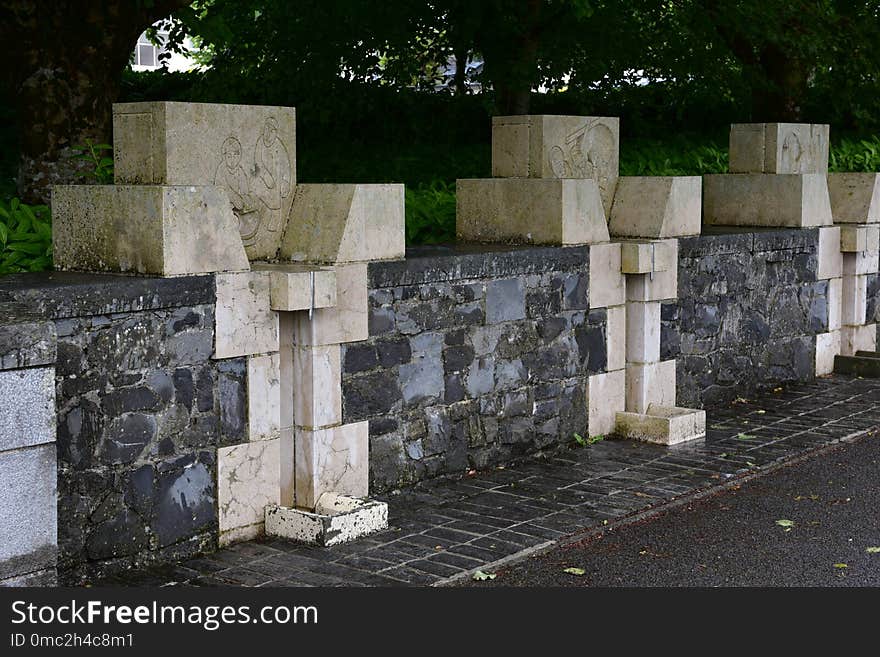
point(792, 151)
point(258, 191)
point(588, 152)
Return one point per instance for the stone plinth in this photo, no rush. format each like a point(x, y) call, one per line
point(544, 146)
point(647, 257)
point(766, 200)
point(656, 206)
point(337, 519)
point(855, 197)
point(247, 150)
point(530, 211)
point(779, 148)
point(664, 425)
point(299, 287)
point(345, 223)
point(159, 230)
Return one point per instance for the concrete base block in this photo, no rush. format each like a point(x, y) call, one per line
point(295, 287)
point(663, 425)
point(552, 146)
point(530, 211)
point(606, 395)
point(659, 286)
point(645, 257)
point(247, 150)
point(655, 206)
point(244, 323)
point(607, 283)
point(766, 200)
point(345, 223)
point(858, 338)
point(779, 147)
point(159, 230)
point(830, 257)
point(650, 383)
point(827, 347)
point(855, 197)
point(336, 519)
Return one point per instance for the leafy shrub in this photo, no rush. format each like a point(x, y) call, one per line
point(25, 237)
point(855, 155)
point(100, 167)
point(430, 213)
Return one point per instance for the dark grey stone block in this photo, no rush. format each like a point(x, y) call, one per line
point(505, 301)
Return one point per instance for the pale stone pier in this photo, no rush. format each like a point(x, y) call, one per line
point(212, 189)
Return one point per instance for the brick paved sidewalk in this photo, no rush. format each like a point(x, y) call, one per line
point(443, 528)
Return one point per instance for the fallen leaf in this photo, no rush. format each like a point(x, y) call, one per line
point(744, 436)
point(785, 523)
point(760, 411)
point(841, 565)
point(480, 576)
point(575, 571)
point(751, 465)
point(873, 550)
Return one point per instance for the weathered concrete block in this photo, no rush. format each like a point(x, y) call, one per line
point(264, 397)
point(779, 148)
point(829, 254)
point(317, 386)
point(643, 332)
point(345, 223)
point(855, 239)
point(828, 345)
point(529, 211)
point(606, 395)
point(161, 230)
point(332, 460)
point(656, 206)
point(663, 425)
point(545, 146)
point(615, 333)
point(244, 323)
point(855, 300)
point(835, 303)
point(347, 321)
point(649, 383)
point(793, 201)
point(27, 407)
point(858, 338)
point(855, 197)
point(661, 286)
point(247, 481)
point(337, 519)
point(28, 516)
point(248, 150)
point(645, 257)
point(607, 282)
point(297, 287)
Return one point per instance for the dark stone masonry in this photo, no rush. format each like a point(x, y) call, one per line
point(474, 358)
point(748, 310)
point(141, 410)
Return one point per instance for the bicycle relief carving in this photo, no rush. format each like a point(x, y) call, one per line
point(257, 192)
point(588, 152)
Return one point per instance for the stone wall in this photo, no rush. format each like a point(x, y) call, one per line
point(749, 307)
point(141, 410)
point(474, 358)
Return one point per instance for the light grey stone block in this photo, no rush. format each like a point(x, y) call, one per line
point(28, 516)
point(249, 151)
point(664, 425)
point(766, 200)
point(146, 229)
point(27, 407)
point(337, 519)
point(245, 325)
point(855, 197)
point(656, 206)
point(779, 148)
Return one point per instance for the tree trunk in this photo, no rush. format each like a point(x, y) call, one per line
point(782, 98)
point(66, 66)
point(460, 79)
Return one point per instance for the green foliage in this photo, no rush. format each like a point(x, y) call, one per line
point(679, 157)
point(430, 213)
point(855, 155)
point(25, 237)
point(100, 166)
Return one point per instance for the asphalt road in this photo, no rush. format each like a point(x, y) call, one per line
point(734, 538)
